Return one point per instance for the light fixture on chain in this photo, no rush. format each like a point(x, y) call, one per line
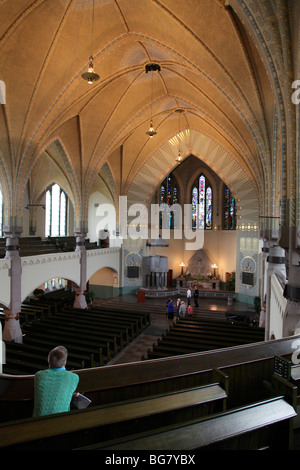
point(152, 68)
point(179, 158)
point(91, 76)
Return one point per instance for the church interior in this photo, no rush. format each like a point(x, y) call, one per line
point(150, 149)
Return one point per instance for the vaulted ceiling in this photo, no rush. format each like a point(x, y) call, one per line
point(55, 125)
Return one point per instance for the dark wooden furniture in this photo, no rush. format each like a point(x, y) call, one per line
point(69, 430)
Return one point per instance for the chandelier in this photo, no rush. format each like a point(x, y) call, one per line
point(179, 157)
point(91, 76)
point(152, 68)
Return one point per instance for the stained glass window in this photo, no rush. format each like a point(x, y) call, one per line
point(230, 210)
point(168, 197)
point(202, 203)
point(208, 221)
point(194, 208)
point(56, 212)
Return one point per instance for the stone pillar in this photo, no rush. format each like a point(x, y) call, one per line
point(265, 253)
point(157, 280)
point(80, 300)
point(12, 329)
point(276, 265)
point(291, 322)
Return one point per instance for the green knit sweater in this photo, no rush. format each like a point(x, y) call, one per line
point(53, 391)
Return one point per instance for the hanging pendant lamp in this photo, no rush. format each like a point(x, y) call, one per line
point(151, 68)
point(91, 76)
point(179, 157)
point(151, 131)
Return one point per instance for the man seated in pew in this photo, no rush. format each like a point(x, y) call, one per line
point(54, 387)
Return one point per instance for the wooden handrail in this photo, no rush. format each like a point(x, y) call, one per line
point(20, 388)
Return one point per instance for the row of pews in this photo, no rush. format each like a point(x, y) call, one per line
point(93, 337)
point(30, 246)
point(192, 334)
point(183, 403)
point(229, 398)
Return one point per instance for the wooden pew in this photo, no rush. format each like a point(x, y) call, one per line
point(71, 430)
point(33, 312)
point(143, 316)
point(51, 305)
point(191, 324)
point(180, 339)
point(79, 316)
point(39, 354)
point(63, 296)
point(28, 316)
point(71, 344)
point(45, 345)
point(247, 366)
point(103, 323)
point(107, 344)
point(233, 338)
point(167, 350)
point(262, 425)
point(97, 331)
point(85, 335)
point(104, 332)
point(225, 337)
point(135, 323)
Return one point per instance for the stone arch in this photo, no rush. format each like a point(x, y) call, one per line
point(105, 282)
point(72, 281)
point(215, 156)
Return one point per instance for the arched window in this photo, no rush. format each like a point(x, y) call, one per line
point(230, 211)
point(168, 197)
point(56, 212)
point(202, 204)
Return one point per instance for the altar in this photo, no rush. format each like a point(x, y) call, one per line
point(212, 284)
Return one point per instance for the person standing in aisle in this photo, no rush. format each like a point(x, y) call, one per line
point(196, 295)
point(189, 295)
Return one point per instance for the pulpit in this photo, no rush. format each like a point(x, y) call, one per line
point(155, 270)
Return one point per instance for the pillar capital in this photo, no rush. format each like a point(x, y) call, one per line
point(12, 231)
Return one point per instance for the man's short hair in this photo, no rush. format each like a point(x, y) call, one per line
point(57, 357)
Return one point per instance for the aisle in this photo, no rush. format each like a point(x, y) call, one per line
point(136, 350)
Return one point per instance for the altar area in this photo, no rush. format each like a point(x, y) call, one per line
point(199, 272)
point(202, 284)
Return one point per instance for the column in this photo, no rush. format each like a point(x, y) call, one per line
point(291, 320)
point(276, 265)
point(265, 253)
point(80, 300)
point(158, 280)
point(12, 329)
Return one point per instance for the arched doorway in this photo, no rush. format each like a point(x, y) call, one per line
point(104, 283)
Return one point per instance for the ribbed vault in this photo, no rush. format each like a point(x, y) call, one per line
point(217, 63)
